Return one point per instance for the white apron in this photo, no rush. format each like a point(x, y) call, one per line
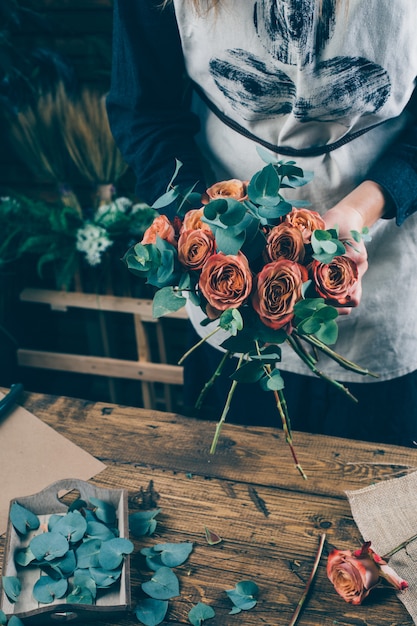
point(328, 90)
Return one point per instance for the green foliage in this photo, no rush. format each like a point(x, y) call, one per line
point(243, 596)
point(169, 554)
point(163, 585)
point(22, 519)
point(11, 587)
point(151, 612)
point(143, 522)
point(200, 613)
point(314, 317)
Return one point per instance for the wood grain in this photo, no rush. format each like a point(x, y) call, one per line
point(249, 493)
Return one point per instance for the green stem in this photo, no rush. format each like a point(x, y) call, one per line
point(287, 432)
point(198, 344)
point(303, 598)
point(225, 411)
point(317, 372)
point(210, 382)
point(334, 355)
point(402, 545)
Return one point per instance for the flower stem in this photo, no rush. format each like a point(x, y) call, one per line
point(402, 545)
point(197, 345)
point(225, 411)
point(303, 598)
point(286, 427)
point(210, 382)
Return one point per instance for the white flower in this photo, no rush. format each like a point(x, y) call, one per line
point(119, 205)
point(92, 240)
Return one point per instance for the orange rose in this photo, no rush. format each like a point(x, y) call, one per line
point(160, 227)
point(285, 241)
point(194, 247)
point(355, 575)
point(336, 281)
point(192, 220)
point(306, 221)
point(225, 282)
point(278, 288)
point(233, 188)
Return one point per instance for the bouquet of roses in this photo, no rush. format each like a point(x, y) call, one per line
point(267, 270)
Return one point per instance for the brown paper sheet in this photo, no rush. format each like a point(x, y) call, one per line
point(33, 455)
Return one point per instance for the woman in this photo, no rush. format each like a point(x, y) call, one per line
point(329, 84)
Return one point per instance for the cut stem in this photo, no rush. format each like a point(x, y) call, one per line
point(303, 598)
point(210, 382)
point(198, 344)
point(225, 411)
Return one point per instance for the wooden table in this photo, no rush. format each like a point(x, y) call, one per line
point(249, 493)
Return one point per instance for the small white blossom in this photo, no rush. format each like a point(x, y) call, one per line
point(92, 240)
point(119, 205)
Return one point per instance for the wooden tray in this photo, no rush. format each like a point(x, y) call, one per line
point(44, 504)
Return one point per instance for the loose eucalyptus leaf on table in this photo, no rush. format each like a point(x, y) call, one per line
point(151, 612)
point(200, 613)
point(173, 554)
point(163, 585)
point(243, 596)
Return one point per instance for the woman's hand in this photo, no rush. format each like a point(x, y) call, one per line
point(358, 210)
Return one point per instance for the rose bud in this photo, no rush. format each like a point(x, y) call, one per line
point(233, 188)
point(354, 575)
point(335, 281)
point(306, 221)
point(194, 248)
point(192, 220)
point(225, 282)
point(160, 227)
point(285, 241)
point(277, 288)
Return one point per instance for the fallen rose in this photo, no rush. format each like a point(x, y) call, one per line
point(354, 575)
point(285, 241)
point(277, 288)
point(306, 221)
point(233, 188)
point(225, 282)
point(160, 227)
point(195, 247)
point(335, 281)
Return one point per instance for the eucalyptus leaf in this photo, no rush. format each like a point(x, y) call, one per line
point(163, 585)
point(11, 587)
point(104, 578)
point(98, 530)
point(243, 595)
point(72, 526)
point(113, 551)
point(104, 511)
point(22, 519)
point(48, 546)
point(200, 613)
point(143, 522)
point(3, 618)
point(65, 565)
point(83, 579)
point(24, 556)
point(328, 333)
point(87, 553)
point(249, 372)
point(45, 590)
point(273, 381)
point(80, 595)
point(15, 621)
point(151, 612)
point(174, 554)
point(167, 300)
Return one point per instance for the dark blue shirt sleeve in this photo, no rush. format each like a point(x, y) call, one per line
point(148, 105)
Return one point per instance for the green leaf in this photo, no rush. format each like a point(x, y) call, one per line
point(15, 621)
point(104, 511)
point(174, 554)
point(98, 530)
point(22, 519)
point(273, 381)
point(45, 590)
point(113, 551)
point(104, 578)
point(80, 595)
point(167, 198)
point(143, 522)
point(48, 546)
point(83, 579)
point(167, 300)
point(234, 214)
point(63, 566)
point(151, 612)
point(163, 585)
point(11, 587)
point(229, 243)
point(328, 333)
point(264, 184)
point(24, 556)
point(249, 372)
point(87, 553)
point(72, 526)
point(3, 618)
point(200, 613)
point(243, 595)
point(231, 320)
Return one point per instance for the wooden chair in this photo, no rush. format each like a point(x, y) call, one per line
point(143, 369)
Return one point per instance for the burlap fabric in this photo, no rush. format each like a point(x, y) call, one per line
point(386, 515)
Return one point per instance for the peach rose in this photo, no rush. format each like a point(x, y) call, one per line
point(225, 282)
point(335, 281)
point(277, 289)
point(285, 241)
point(233, 188)
point(195, 247)
point(355, 575)
point(192, 220)
point(306, 221)
point(162, 227)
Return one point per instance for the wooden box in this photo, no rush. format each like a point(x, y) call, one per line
point(111, 601)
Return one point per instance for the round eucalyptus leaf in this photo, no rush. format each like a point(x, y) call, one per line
point(80, 595)
point(104, 578)
point(83, 579)
point(104, 511)
point(48, 546)
point(87, 553)
point(98, 530)
point(65, 565)
point(174, 554)
point(46, 589)
point(142, 522)
point(24, 556)
point(113, 551)
point(22, 519)
point(151, 612)
point(53, 520)
point(72, 526)
point(200, 613)
point(15, 621)
point(163, 585)
point(3, 618)
point(11, 587)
